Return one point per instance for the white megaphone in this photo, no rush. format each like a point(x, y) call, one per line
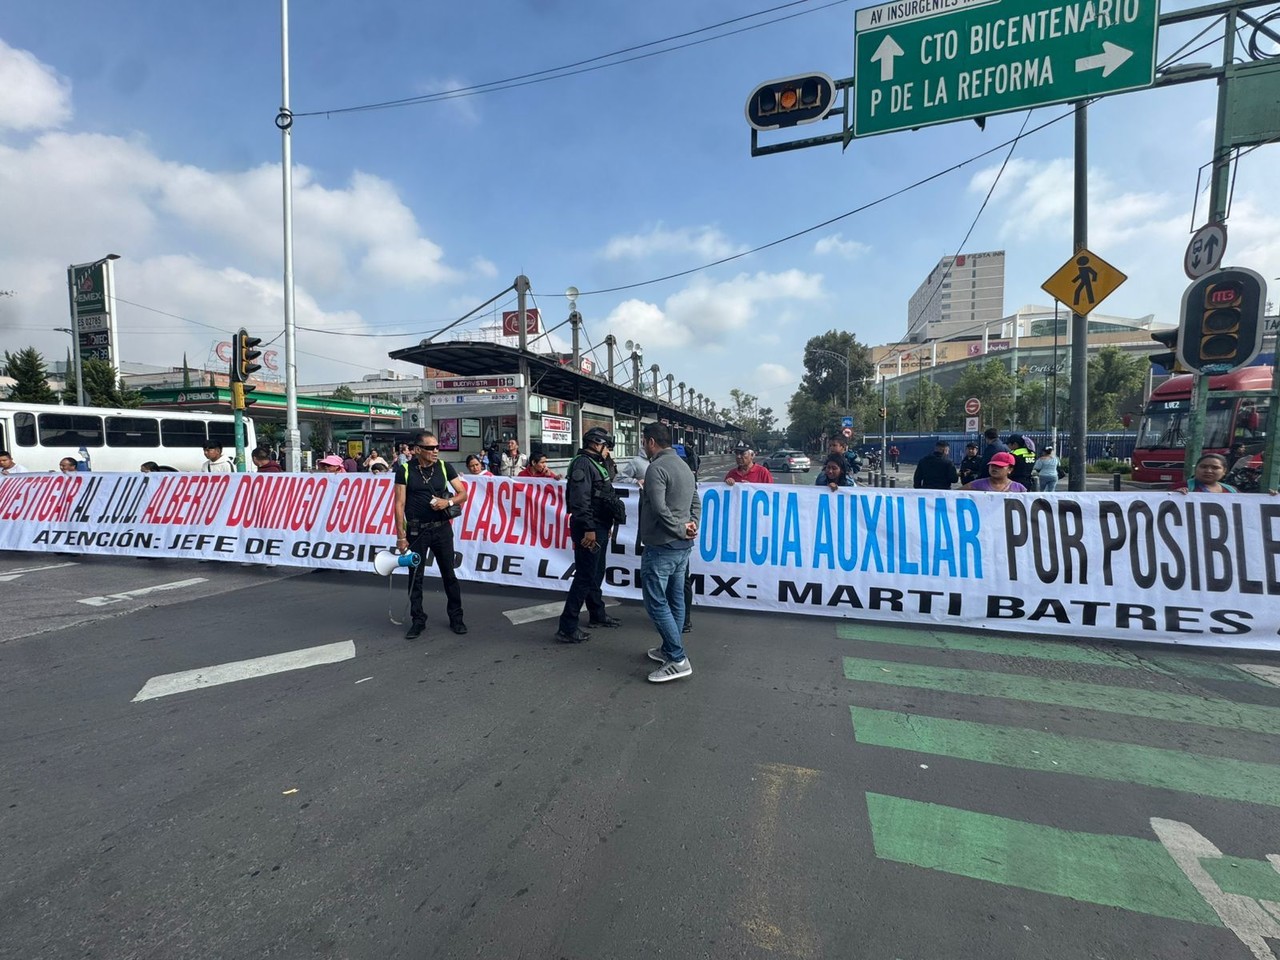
point(385, 561)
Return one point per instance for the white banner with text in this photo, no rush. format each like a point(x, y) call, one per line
point(1157, 566)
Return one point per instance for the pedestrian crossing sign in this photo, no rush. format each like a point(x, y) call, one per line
point(1083, 282)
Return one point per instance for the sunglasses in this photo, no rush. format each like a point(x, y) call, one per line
point(423, 446)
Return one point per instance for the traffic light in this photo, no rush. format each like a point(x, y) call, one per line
point(884, 413)
point(243, 353)
point(1222, 321)
point(791, 101)
point(1169, 360)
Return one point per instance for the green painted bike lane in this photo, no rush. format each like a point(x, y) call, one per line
point(1132, 873)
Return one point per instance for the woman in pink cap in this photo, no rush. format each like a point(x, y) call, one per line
point(997, 479)
point(331, 464)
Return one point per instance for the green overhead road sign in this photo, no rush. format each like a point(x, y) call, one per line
point(921, 62)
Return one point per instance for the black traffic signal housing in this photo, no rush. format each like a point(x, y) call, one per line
point(791, 101)
point(1222, 321)
point(243, 354)
point(1168, 360)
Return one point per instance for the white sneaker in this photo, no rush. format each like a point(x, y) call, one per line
point(671, 670)
point(655, 654)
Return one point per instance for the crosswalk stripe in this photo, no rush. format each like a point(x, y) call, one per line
point(140, 592)
point(9, 575)
point(541, 611)
point(1154, 704)
point(1082, 756)
point(1061, 651)
point(171, 683)
point(1116, 871)
point(1262, 671)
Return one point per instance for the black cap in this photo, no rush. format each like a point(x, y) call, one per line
point(597, 435)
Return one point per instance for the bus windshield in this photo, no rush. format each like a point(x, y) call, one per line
point(1168, 424)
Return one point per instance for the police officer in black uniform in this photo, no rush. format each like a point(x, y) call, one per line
point(593, 507)
point(428, 493)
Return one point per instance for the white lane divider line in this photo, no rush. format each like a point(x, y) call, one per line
point(15, 574)
point(1262, 672)
point(543, 611)
point(142, 592)
point(171, 683)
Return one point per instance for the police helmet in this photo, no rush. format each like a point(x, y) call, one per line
point(597, 435)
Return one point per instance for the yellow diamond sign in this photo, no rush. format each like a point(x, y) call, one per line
point(1083, 282)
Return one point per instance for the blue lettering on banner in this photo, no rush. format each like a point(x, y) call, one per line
point(867, 533)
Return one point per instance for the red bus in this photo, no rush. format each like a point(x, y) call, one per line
point(1160, 447)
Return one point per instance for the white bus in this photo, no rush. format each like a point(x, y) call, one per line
point(39, 435)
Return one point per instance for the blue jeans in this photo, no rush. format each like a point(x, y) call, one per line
point(662, 574)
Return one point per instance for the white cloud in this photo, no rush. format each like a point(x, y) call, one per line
point(840, 247)
point(769, 375)
point(704, 243)
point(35, 97)
point(711, 314)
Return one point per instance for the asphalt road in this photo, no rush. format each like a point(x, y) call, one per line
point(818, 787)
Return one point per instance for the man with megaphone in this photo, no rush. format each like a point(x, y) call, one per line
point(428, 496)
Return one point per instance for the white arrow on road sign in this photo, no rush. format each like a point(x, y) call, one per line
point(1204, 252)
point(1110, 59)
point(885, 53)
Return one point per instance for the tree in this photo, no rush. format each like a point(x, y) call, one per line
point(1115, 380)
point(757, 422)
point(343, 393)
point(27, 368)
point(922, 407)
point(101, 387)
point(818, 405)
point(990, 383)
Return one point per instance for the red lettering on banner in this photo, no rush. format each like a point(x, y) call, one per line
point(42, 498)
point(521, 513)
point(363, 505)
point(188, 500)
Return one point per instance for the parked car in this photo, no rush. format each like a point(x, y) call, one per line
point(788, 461)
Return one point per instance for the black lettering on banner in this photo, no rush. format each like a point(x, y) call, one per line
point(1173, 569)
point(1214, 531)
point(697, 583)
point(1271, 546)
point(724, 585)
point(1045, 545)
point(258, 546)
point(789, 592)
point(845, 595)
point(886, 596)
point(1090, 609)
point(1016, 532)
point(1075, 558)
point(1181, 619)
point(1234, 627)
point(1004, 608)
point(486, 562)
point(617, 576)
point(1052, 608)
point(1127, 613)
point(1142, 544)
point(1111, 524)
point(1243, 583)
point(926, 598)
point(511, 566)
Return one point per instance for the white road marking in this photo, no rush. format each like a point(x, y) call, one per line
point(1250, 920)
point(1262, 672)
point(170, 683)
point(15, 574)
point(142, 592)
point(543, 611)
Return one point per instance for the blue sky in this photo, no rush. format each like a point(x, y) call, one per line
point(146, 129)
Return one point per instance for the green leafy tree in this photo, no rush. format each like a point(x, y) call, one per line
point(343, 393)
point(1116, 383)
point(836, 366)
point(992, 384)
point(31, 378)
point(758, 423)
point(922, 408)
point(101, 386)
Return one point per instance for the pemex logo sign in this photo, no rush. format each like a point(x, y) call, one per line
point(90, 290)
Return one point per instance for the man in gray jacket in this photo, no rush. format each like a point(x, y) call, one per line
point(669, 513)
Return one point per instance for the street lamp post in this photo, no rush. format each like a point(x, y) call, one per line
point(845, 360)
point(637, 354)
point(75, 324)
